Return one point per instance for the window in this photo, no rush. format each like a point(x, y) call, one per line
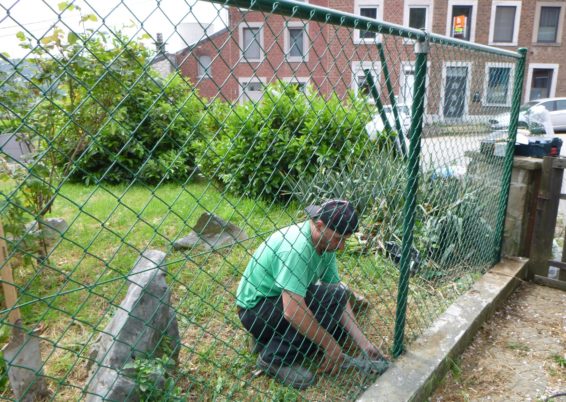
point(417, 17)
point(505, 18)
point(251, 41)
point(541, 80)
point(360, 85)
point(498, 85)
point(561, 104)
point(461, 19)
point(370, 9)
point(548, 24)
point(296, 42)
point(204, 67)
point(251, 89)
point(418, 14)
point(369, 12)
point(298, 82)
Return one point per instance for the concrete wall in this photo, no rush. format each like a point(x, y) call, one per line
point(521, 207)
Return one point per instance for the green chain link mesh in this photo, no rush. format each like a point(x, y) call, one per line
point(251, 121)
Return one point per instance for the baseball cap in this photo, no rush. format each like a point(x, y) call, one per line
point(338, 215)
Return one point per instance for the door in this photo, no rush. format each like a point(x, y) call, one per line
point(455, 91)
point(407, 83)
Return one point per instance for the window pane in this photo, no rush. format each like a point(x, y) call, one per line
point(252, 91)
point(369, 13)
point(296, 48)
point(548, 24)
point(561, 104)
point(417, 17)
point(550, 106)
point(504, 23)
point(204, 63)
point(251, 43)
point(461, 22)
point(498, 85)
point(540, 84)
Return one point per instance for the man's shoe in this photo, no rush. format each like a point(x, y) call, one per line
point(254, 346)
point(365, 365)
point(294, 376)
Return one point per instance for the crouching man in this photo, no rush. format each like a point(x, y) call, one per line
point(292, 302)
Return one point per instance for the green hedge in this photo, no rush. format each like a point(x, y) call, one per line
point(259, 149)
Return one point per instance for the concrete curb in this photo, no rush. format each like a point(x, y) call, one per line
point(416, 374)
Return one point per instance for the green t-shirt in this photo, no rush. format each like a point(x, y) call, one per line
point(286, 260)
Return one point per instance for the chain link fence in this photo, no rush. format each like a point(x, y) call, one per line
point(116, 150)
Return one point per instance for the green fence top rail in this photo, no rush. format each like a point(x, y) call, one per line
point(326, 15)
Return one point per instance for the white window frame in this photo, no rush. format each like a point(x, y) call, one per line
point(306, 47)
point(428, 4)
point(368, 4)
point(451, 4)
point(241, 40)
point(494, 5)
point(511, 67)
point(360, 66)
point(445, 66)
point(297, 80)
point(539, 6)
point(243, 80)
point(208, 72)
point(547, 66)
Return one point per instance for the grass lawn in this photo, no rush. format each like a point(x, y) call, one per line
point(109, 226)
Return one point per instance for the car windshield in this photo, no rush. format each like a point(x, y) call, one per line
point(528, 105)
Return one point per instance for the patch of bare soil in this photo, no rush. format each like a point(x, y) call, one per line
point(518, 355)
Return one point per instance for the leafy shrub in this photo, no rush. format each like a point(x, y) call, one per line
point(29, 199)
point(455, 224)
point(453, 215)
point(153, 379)
point(258, 149)
point(101, 114)
point(151, 136)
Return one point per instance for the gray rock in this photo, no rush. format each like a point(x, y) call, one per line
point(211, 232)
point(135, 331)
point(51, 228)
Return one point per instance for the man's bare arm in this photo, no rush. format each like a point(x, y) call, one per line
point(350, 324)
point(297, 313)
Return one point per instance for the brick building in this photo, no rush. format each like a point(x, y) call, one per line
point(256, 49)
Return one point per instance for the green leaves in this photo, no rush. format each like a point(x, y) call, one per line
point(89, 17)
point(72, 38)
point(262, 146)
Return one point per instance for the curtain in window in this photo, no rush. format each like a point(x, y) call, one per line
point(504, 24)
point(548, 25)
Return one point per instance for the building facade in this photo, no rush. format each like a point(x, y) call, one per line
point(256, 49)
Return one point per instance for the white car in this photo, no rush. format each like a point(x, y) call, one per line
point(376, 125)
point(555, 106)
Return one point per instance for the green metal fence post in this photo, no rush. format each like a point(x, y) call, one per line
point(377, 99)
point(392, 99)
point(421, 50)
point(508, 164)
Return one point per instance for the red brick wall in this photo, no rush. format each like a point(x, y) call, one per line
point(332, 52)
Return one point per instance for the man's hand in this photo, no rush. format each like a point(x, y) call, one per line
point(333, 359)
point(373, 351)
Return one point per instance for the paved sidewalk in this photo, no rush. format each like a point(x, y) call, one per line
point(518, 355)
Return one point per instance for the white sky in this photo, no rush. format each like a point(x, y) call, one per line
point(151, 16)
